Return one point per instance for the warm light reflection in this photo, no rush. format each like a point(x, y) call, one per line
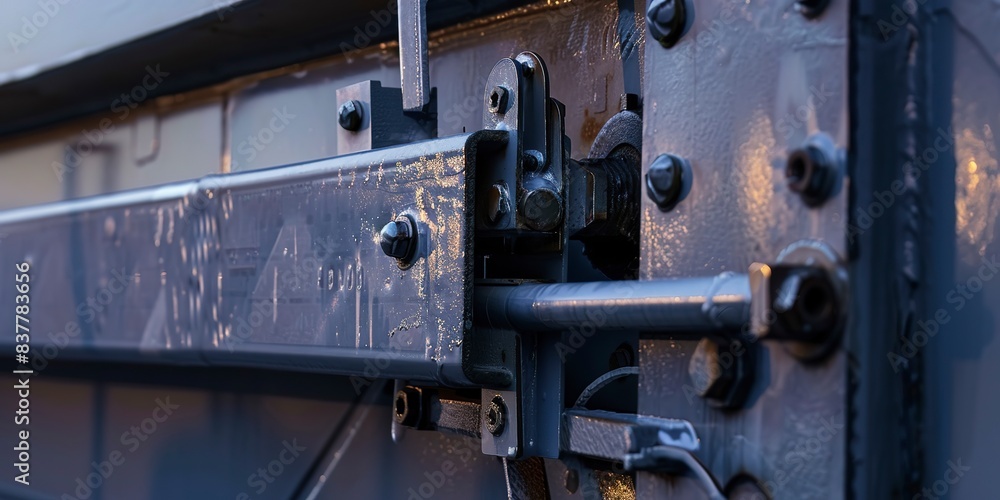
point(976, 202)
point(753, 176)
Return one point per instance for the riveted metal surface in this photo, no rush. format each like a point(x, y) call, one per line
point(747, 83)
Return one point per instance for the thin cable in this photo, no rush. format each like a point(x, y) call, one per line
point(602, 381)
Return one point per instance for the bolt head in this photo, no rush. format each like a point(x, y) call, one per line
point(497, 100)
point(497, 203)
point(542, 209)
point(806, 303)
point(665, 182)
point(350, 115)
point(709, 377)
point(666, 20)
point(407, 406)
point(398, 238)
point(811, 9)
point(496, 416)
point(810, 174)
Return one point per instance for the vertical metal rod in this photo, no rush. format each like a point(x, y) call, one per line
point(414, 78)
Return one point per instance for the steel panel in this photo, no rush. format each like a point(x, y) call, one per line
point(747, 83)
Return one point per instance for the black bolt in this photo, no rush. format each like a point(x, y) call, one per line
point(721, 371)
point(709, 377)
point(811, 8)
point(542, 209)
point(666, 19)
point(665, 181)
point(532, 160)
point(398, 239)
point(496, 416)
point(407, 406)
point(806, 303)
point(498, 100)
point(350, 115)
point(811, 174)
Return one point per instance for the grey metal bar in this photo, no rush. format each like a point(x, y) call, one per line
point(414, 78)
point(277, 268)
point(684, 305)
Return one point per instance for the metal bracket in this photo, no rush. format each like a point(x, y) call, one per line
point(377, 119)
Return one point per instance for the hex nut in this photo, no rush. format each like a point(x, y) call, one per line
point(495, 417)
point(407, 406)
point(811, 174)
point(497, 101)
point(706, 372)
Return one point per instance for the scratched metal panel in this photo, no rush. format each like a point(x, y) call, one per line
point(108, 273)
point(301, 277)
point(749, 81)
point(277, 267)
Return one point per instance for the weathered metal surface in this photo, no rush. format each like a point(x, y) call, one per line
point(248, 437)
point(747, 83)
point(277, 267)
point(414, 79)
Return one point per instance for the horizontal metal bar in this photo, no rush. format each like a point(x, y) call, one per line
point(278, 268)
point(682, 305)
